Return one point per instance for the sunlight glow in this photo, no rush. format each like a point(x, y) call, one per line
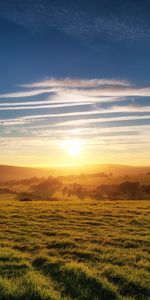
point(73, 147)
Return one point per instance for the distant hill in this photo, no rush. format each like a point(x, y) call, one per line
point(16, 173)
point(107, 168)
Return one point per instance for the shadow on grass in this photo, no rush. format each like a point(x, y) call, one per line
point(127, 286)
point(77, 282)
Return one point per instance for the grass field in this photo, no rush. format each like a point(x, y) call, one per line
point(70, 249)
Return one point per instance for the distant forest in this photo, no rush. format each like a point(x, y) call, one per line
point(49, 188)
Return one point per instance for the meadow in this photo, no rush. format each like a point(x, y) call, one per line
point(74, 249)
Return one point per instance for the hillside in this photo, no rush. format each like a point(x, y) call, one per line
point(15, 172)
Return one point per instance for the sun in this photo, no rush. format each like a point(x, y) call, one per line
point(73, 147)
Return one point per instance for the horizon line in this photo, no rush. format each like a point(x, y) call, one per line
point(75, 165)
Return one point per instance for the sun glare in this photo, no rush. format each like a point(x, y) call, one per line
point(73, 147)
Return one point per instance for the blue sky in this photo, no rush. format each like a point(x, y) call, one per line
point(74, 71)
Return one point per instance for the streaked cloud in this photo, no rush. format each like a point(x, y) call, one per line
point(80, 89)
point(25, 93)
point(102, 120)
point(76, 83)
point(99, 111)
point(102, 112)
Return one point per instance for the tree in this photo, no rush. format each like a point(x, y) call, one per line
point(47, 187)
point(131, 189)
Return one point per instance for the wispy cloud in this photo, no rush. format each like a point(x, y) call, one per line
point(99, 111)
point(30, 107)
point(80, 91)
point(90, 21)
point(101, 120)
point(76, 83)
point(23, 94)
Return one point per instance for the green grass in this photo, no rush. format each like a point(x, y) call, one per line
point(70, 249)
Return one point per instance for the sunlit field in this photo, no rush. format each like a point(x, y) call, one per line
point(74, 249)
point(74, 150)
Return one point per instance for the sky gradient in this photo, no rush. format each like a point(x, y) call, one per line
point(74, 71)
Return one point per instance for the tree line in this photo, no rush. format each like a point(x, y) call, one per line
point(49, 187)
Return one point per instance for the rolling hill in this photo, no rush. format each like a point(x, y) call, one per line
point(16, 173)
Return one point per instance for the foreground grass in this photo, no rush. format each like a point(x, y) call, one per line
point(74, 250)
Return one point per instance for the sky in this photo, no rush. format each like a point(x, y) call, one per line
point(74, 82)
